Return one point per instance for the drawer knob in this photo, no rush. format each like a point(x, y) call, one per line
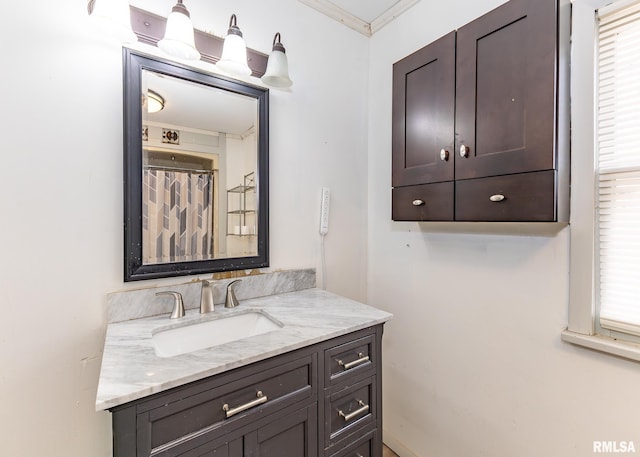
point(364, 408)
point(417, 202)
point(444, 154)
point(349, 365)
point(261, 398)
point(464, 151)
point(497, 198)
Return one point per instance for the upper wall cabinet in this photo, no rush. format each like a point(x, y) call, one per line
point(480, 123)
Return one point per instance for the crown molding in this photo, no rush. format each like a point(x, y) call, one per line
point(333, 11)
point(392, 13)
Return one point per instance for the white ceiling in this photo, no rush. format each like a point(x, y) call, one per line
point(364, 16)
point(199, 107)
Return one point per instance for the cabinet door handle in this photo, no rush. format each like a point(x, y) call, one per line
point(238, 409)
point(417, 202)
point(444, 154)
point(349, 365)
point(464, 151)
point(497, 198)
point(363, 409)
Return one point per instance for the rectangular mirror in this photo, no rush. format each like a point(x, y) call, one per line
point(196, 171)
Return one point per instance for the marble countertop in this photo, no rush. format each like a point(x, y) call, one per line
point(132, 370)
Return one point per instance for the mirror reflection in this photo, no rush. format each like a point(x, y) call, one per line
point(196, 171)
point(199, 171)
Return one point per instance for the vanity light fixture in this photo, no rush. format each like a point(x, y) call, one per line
point(230, 55)
point(178, 38)
point(155, 102)
point(277, 73)
point(112, 17)
point(234, 51)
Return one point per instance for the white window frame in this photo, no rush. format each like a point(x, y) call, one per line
point(583, 329)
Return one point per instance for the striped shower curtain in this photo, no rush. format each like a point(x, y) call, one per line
point(177, 216)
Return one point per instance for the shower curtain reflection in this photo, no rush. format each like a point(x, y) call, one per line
point(177, 216)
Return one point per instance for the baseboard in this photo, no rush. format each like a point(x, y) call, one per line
point(396, 446)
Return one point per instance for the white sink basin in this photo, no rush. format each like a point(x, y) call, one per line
point(202, 335)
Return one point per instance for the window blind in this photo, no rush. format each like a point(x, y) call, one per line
point(618, 173)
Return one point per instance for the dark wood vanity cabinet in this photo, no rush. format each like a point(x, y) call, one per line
point(319, 401)
point(486, 101)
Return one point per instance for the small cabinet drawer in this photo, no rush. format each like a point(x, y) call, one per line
point(350, 410)
point(427, 202)
point(363, 447)
point(349, 360)
point(527, 197)
point(236, 399)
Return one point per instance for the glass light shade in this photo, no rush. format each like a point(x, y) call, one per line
point(178, 38)
point(155, 102)
point(234, 51)
point(113, 17)
point(234, 56)
point(277, 73)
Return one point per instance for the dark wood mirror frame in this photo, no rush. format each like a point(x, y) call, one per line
point(134, 269)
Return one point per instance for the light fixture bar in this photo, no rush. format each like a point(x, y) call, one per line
point(149, 28)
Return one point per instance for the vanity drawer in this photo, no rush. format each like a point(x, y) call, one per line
point(349, 360)
point(350, 410)
point(363, 447)
point(525, 197)
point(245, 395)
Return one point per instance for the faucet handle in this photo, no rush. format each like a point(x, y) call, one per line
point(178, 304)
point(231, 301)
point(206, 296)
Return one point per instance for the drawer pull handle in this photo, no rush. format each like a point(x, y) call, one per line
point(417, 202)
point(363, 409)
point(238, 409)
point(349, 365)
point(497, 198)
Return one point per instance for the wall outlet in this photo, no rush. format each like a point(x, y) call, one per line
point(324, 211)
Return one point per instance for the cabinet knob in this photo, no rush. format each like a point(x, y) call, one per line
point(464, 151)
point(417, 202)
point(497, 198)
point(444, 154)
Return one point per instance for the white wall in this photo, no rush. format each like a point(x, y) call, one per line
point(473, 359)
point(61, 183)
point(473, 362)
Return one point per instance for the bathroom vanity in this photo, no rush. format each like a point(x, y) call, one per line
point(310, 388)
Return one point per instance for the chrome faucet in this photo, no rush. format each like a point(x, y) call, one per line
point(206, 297)
point(178, 305)
point(231, 301)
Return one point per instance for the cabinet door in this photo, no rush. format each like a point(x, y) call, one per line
point(423, 114)
point(227, 449)
point(288, 435)
point(505, 90)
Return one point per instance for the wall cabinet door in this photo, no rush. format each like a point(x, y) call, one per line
point(423, 114)
point(505, 90)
